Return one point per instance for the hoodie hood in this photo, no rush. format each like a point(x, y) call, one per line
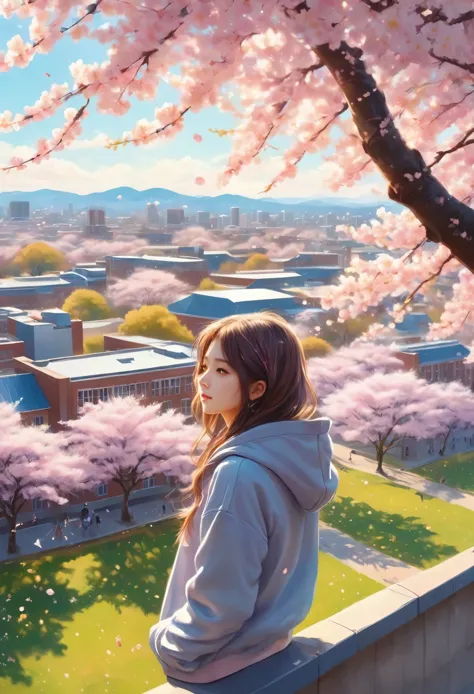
point(297, 451)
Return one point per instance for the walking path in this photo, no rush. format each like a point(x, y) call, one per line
point(404, 478)
point(363, 559)
point(40, 537)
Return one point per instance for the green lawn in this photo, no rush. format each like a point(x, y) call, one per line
point(65, 642)
point(396, 521)
point(457, 469)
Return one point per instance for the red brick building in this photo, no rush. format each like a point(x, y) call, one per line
point(160, 371)
point(442, 360)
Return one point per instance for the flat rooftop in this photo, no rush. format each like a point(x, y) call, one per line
point(238, 295)
point(258, 275)
point(127, 361)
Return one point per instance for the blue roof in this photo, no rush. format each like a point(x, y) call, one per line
point(218, 304)
point(23, 391)
point(436, 352)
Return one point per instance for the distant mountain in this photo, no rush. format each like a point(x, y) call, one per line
point(124, 200)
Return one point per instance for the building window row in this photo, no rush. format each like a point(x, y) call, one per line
point(159, 388)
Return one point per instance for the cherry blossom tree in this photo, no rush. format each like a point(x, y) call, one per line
point(382, 409)
point(80, 250)
point(457, 403)
point(350, 364)
point(147, 287)
point(124, 441)
point(32, 464)
point(198, 236)
point(372, 85)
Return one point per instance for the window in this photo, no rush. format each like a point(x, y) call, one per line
point(188, 384)
point(102, 489)
point(125, 389)
point(93, 395)
point(40, 504)
point(149, 482)
point(186, 406)
point(166, 405)
point(166, 386)
point(39, 420)
point(436, 372)
point(407, 452)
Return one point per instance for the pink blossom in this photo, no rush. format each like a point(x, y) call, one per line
point(129, 441)
point(199, 181)
point(197, 137)
point(382, 409)
point(147, 287)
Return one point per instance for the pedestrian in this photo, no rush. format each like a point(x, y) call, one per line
point(259, 483)
point(84, 511)
point(350, 457)
point(34, 519)
point(58, 532)
point(164, 509)
point(97, 520)
point(66, 519)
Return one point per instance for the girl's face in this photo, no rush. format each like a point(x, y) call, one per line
point(220, 383)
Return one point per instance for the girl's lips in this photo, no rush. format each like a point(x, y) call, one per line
point(205, 397)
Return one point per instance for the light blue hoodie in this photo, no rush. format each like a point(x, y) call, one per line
point(247, 576)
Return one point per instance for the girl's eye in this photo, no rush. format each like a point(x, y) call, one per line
point(223, 370)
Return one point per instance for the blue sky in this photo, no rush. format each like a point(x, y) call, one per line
point(172, 164)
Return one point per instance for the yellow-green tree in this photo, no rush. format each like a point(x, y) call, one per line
point(258, 261)
point(155, 321)
point(208, 285)
point(39, 258)
point(94, 344)
point(229, 267)
point(87, 304)
point(315, 347)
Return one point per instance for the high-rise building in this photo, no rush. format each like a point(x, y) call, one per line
point(152, 215)
point(204, 219)
point(95, 217)
point(175, 215)
point(287, 217)
point(19, 209)
point(263, 217)
point(245, 220)
point(96, 226)
point(222, 221)
point(235, 216)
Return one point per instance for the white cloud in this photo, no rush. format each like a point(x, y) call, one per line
point(100, 140)
point(177, 174)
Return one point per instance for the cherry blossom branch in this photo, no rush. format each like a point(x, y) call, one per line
point(91, 9)
point(433, 276)
point(463, 142)
point(411, 182)
point(47, 150)
point(452, 61)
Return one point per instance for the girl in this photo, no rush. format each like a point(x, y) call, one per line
point(246, 565)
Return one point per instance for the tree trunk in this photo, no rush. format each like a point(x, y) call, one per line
point(12, 548)
point(380, 454)
point(411, 183)
point(126, 515)
point(445, 442)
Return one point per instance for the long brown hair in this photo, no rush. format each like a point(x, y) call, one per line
point(258, 346)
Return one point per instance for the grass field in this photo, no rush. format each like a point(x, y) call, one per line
point(65, 641)
point(397, 521)
point(457, 469)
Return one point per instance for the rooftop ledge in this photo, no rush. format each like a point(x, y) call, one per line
point(415, 637)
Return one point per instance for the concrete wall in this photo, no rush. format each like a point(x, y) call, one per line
point(416, 637)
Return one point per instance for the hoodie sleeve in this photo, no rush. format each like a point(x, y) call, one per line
point(220, 597)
